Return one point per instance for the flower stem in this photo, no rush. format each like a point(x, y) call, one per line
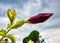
point(8, 31)
point(5, 35)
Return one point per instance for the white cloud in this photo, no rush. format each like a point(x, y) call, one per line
point(53, 6)
point(29, 9)
point(3, 22)
point(3, 19)
point(51, 35)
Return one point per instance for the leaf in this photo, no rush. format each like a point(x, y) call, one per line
point(2, 32)
point(11, 15)
point(18, 24)
point(10, 36)
point(2, 41)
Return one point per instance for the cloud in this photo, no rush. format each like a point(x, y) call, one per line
point(51, 35)
point(26, 9)
point(20, 2)
point(4, 7)
point(3, 22)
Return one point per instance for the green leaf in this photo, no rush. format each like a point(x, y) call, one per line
point(2, 41)
point(10, 36)
point(11, 15)
point(2, 32)
point(18, 24)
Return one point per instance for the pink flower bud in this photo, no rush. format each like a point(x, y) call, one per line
point(41, 17)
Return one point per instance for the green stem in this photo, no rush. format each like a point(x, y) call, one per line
point(8, 31)
point(5, 34)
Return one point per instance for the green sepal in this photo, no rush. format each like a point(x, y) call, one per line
point(18, 24)
point(26, 21)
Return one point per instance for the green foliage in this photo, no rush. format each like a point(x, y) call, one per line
point(34, 36)
point(2, 32)
point(25, 40)
point(11, 15)
point(2, 41)
point(10, 36)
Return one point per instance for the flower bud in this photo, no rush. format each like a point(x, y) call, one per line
point(40, 18)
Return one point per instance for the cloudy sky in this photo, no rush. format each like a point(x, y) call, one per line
point(49, 30)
